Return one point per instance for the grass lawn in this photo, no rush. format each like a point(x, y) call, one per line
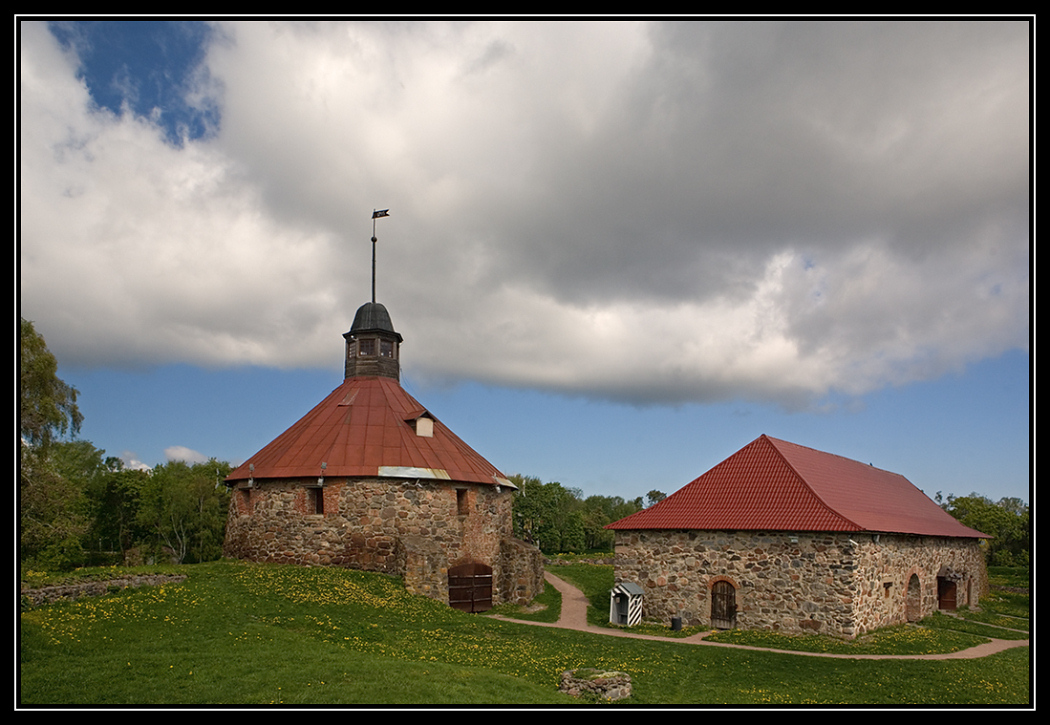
point(247, 634)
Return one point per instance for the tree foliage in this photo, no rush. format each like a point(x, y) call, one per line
point(558, 520)
point(75, 503)
point(183, 507)
point(51, 517)
point(47, 405)
point(51, 514)
point(1007, 521)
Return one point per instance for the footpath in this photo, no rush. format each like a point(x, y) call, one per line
point(574, 616)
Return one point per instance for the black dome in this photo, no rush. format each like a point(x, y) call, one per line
point(372, 316)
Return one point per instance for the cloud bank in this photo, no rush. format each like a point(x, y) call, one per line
point(646, 212)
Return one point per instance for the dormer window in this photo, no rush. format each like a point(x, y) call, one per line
point(425, 427)
point(422, 423)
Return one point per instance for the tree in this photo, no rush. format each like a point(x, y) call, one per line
point(114, 497)
point(184, 508)
point(556, 519)
point(548, 515)
point(654, 497)
point(604, 510)
point(47, 405)
point(51, 515)
point(51, 518)
point(1007, 521)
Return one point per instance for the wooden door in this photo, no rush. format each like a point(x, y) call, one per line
point(723, 605)
point(470, 587)
point(946, 594)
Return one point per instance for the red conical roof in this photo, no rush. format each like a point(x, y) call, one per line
point(773, 485)
point(368, 427)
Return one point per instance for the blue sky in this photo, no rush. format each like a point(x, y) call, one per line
point(618, 251)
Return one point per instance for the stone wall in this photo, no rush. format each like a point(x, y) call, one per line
point(830, 583)
point(57, 592)
point(415, 529)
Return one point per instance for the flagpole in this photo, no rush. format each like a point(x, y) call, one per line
point(375, 215)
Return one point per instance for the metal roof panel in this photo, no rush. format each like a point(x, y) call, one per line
point(361, 427)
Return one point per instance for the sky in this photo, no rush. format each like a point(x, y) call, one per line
point(617, 250)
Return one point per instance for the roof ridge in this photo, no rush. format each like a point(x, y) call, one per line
point(830, 455)
point(802, 479)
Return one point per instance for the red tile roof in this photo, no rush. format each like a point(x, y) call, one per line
point(367, 427)
point(773, 485)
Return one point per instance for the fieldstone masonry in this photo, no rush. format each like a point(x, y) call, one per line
point(604, 684)
point(49, 594)
point(415, 529)
point(840, 584)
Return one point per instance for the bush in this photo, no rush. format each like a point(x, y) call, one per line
point(66, 555)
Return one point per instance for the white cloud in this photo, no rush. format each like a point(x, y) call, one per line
point(182, 453)
point(133, 463)
point(653, 213)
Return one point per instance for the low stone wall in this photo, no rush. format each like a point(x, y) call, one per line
point(591, 682)
point(46, 595)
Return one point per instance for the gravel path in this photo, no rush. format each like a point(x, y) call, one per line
point(574, 616)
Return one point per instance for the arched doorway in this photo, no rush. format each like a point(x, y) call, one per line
point(913, 602)
point(947, 591)
point(723, 605)
point(470, 587)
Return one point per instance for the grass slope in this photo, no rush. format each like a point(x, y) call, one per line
point(245, 634)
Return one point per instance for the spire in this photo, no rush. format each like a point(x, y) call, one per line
point(372, 344)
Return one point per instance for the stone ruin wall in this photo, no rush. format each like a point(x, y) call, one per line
point(407, 528)
point(828, 583)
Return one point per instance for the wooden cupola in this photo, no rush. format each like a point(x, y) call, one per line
point(373, 347)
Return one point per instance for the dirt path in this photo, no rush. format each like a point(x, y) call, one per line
point(574, 616)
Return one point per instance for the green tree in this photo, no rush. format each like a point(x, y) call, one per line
point(548, 515)
point(51, 517)
point(1007, 521)
point(51, 513)
point(47, 405)
point(654, 497)
point(114, 497)
point(184, 509)
point(602, 511)
point(559, 520)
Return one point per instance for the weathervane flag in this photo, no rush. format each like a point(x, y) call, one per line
point(380, 213)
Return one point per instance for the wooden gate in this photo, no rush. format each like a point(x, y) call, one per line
point(723, 605)
point(470, 587)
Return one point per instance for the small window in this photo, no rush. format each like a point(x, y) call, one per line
point(461, 501)
point(386, 348)
point(366, 347)
point(315, 500)
point(246, 500)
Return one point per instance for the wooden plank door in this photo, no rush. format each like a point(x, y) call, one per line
point(723, 605)
point(470, 587)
